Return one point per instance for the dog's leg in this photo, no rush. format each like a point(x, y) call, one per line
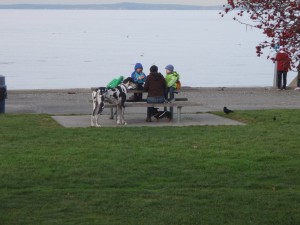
point(94, 116)
point(122, 108)
point(122, 115)
point(94, 94)
point(100, 107)
point(97, 118)
point(118, 114)
point(92, 120)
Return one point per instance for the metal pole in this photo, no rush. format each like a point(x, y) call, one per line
point(179, 114)
point(275, 75)
point(3, 94)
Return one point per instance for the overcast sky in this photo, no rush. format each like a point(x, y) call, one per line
point(184, 2)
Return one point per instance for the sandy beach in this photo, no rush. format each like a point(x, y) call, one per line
point(76, 101)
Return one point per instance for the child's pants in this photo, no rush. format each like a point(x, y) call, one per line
point(170, 91)
point(153, 100)
point(138, 96)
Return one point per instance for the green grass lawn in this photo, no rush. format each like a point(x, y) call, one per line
point(157, 176)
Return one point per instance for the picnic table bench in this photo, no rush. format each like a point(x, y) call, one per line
point(179, 103)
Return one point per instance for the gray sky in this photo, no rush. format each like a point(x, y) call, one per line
point(184, 2)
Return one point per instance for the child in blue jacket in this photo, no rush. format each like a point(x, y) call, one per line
point(139, 78)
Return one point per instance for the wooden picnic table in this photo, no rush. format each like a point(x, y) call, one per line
point(179, 103)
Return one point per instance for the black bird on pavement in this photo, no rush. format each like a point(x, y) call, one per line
point(226, 110)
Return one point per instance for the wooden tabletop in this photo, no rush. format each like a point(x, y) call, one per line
point(132, 91)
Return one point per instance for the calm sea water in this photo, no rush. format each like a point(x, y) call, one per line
point(80, 49)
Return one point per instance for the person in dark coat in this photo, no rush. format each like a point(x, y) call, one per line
point(283, 66)
point(155, 85)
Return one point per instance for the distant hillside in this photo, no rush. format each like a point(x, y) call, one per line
point(118, 6)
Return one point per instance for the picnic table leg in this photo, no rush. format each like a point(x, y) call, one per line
point(172, 112)
point(179, 114)
point(171, 97)
point(111, 113)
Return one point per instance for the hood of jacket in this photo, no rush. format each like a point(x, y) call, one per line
point(138, 66)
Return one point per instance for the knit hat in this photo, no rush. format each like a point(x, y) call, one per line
point(153, 69)
point(138, 66)
point(170, 68)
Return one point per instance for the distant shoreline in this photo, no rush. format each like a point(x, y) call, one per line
point(117, 6)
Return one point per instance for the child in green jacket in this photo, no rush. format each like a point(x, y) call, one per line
point(171, 80)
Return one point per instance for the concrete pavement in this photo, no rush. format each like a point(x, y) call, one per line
point(138, 120)
point(72, 102)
